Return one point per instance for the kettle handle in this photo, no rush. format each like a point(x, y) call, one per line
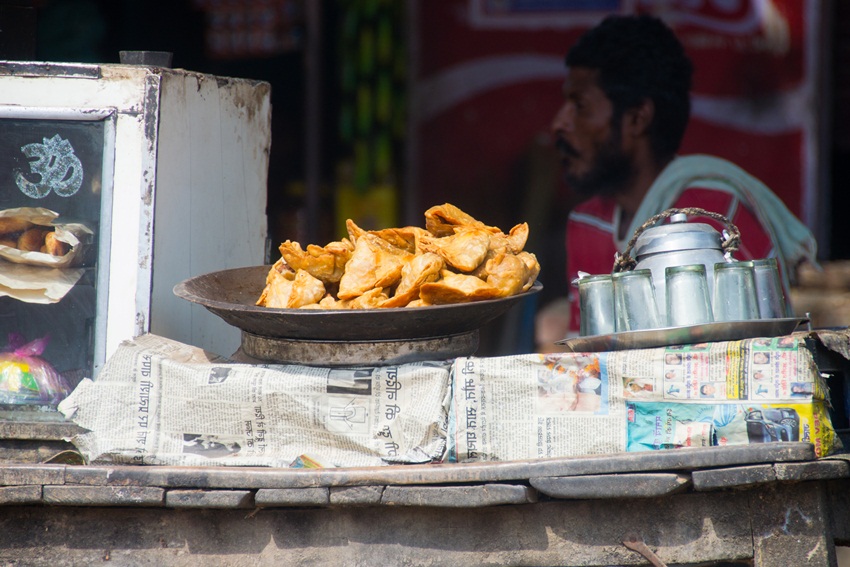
point(732, 236)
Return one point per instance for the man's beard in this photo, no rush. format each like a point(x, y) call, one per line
point(609, 172)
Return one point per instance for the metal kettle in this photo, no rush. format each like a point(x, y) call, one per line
point(678, 243)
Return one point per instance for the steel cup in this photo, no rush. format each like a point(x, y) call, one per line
point(687, 295)
point(734, 292)
point(596, 300)
point(771, 298)
point(634, 301)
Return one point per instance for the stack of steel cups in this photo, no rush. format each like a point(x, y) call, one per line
point(687, 296)
point(734, 292)
point(625, 301)
point(748, 290)
point(596, 297)
point(634, 301)
point(771, 297)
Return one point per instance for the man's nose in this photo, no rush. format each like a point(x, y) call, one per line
point(563, 120)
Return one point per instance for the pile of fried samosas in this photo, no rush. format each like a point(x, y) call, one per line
point(454, 259)
point(25, 236)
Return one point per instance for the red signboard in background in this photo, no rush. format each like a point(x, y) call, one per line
point(487, 81)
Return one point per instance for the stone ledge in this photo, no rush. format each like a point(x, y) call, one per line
point(15, 495)
point(465, 485)
point(272, 497)
point(635, 485)
point(431, 474)
point(102, 496)
point(737, 477)
point(458, 496)
point(11, 475)
point(355, 495)
point(818, 470)
point(48, 430)
point(209, 499)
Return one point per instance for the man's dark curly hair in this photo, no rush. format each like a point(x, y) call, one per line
point(639, 57)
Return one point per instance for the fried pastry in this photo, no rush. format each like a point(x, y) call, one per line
point(10, 225)
point(289, 291)
point(374, 263)
point(277, 288)
point(326, 263)
point(405, 238)
point(54, 246)
point(513, 242)
point(457, 288)
point(354, 231)
point(455, 259)
point(373, 298)
point(464, 250)
point(423, 268)
point(280, 267)
point(31, 240)
point(533, 268)
point(443, 219)
point(507, 273)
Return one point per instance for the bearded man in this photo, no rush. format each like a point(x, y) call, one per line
point(625, 111)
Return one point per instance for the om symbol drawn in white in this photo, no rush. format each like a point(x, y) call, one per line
point(59, 169)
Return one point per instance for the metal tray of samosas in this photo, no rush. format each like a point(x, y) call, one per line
point(232, 295)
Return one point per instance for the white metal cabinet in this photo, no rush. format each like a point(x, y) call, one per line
point(181, 190)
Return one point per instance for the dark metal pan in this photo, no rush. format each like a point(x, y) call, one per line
point(232, 294)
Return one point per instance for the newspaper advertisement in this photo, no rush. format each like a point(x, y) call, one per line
point(761, 369)
point(655, 425)
point(571, 404)
point(758, 390)
point(534, 406)
point(160, 402)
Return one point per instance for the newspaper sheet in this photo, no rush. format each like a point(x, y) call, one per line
point(571, 404)
point(762, 369)
point(157, 401)
point(671, 426)
point(534, 406)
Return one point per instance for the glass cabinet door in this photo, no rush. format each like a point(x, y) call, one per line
point(55, 199)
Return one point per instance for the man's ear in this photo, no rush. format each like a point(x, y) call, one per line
point(637, 120)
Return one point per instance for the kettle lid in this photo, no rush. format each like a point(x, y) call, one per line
point(677, 235)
